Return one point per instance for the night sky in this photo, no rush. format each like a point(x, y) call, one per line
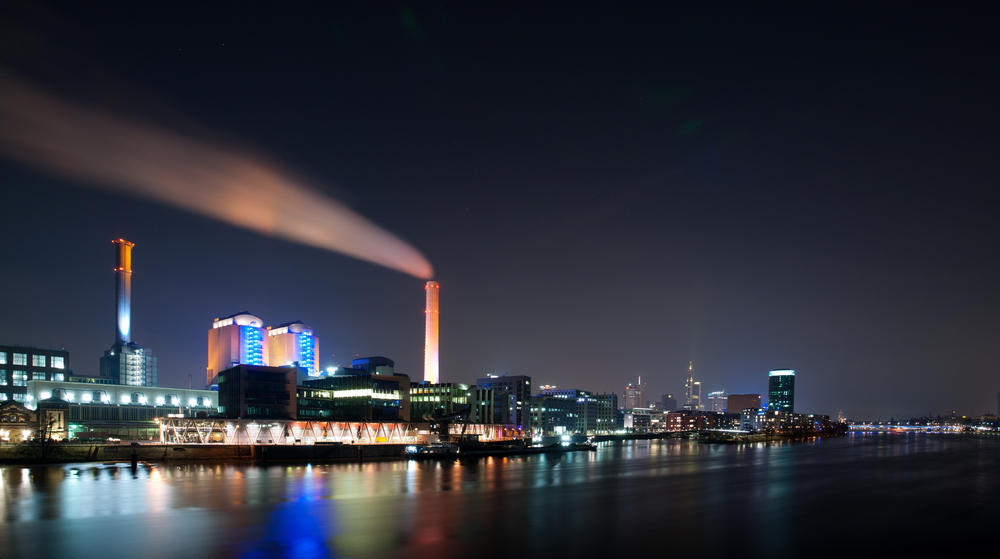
point(604, 190)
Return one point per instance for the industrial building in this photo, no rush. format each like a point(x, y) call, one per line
point(126, 362)
point(20, 364)
point(292, 344)
point(242, 339)
point(116, 410)
point(432, 372)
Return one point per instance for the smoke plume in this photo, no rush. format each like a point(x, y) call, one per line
point(149, 161)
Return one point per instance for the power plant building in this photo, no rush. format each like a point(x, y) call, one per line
point(432, 372)
point(126, 362)
point(242, 339)
point(292, 344)
point(238, 339)
point(20, 365)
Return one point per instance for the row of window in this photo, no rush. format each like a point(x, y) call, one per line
point(57, 362)
point(19, 398)
point(20, 378)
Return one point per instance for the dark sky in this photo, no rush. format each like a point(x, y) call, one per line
point(605, 191)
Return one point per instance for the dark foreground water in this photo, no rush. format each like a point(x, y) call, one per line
point(852, 496)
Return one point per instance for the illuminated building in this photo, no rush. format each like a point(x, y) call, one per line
point(126, 362)
point(117, 410)
point(736, 403)
point(716, 401)
point(781, 390)
point(237, 339)
point(430, 401)
point(553, 415)
point(293, 344)
point(241, 339)
point(368, 391)
point(594, 413)
point(517, 385)
point(20, 365)
point(634, 395)
point(689, 403)
point(432, 373)
point(690, 421)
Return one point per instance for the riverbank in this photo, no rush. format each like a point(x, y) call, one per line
point(71, 452)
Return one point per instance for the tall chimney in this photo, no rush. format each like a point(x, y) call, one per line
point(431, 371)
point(123, 289)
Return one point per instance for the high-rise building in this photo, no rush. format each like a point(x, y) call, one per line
point(635, 395)
point(292, 344)
point(126, 362)
point(716, 401)
point(781, 390)
point(432, 373)
point(736, 403)
point(696, 396)
point(238, 339)
point(689, 388)
point(669, 402)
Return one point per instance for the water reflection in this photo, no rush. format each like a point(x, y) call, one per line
point(672, 496)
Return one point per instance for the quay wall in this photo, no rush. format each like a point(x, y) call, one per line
point(68, 452)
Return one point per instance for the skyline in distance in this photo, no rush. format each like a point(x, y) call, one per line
point(602, 196)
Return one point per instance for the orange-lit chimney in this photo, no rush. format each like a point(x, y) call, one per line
point(123, 289)
point(431, 371)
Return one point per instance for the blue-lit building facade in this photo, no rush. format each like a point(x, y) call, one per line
point(292, 344)
point(242, 339)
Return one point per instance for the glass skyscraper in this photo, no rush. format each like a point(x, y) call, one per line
point(781, 390)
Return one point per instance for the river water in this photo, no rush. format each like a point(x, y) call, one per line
point(843, 496)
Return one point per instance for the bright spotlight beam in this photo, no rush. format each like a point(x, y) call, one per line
point(141, 159)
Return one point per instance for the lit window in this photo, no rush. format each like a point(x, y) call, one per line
point(37, 376)
point(3, 357)
point(37, 360)
point(58, 362)
point(19, 398)
point(3, 396)
point(20, 378)
point(3, 377)
point(58, 377)
point(20, 358)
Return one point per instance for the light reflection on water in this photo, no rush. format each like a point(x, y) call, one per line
point(668, 496)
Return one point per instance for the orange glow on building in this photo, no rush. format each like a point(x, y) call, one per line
point(432, 372)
